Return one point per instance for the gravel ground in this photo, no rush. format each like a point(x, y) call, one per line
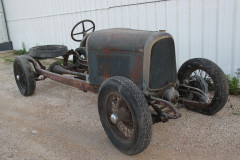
point(60, 122)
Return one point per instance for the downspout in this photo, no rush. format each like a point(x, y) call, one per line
point(5, 43)
point(4, 16)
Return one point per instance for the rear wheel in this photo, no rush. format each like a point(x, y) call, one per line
point(207, 76)
point(24, 76)
point(124, 114)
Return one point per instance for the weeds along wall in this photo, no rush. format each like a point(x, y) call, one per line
point(201, 28)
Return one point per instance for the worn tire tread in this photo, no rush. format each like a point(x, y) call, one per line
point(28, 75)
point(218, 76)
point(144, 111)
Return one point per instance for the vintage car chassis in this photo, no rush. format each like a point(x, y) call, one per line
point(162, 114)
point(134, 73)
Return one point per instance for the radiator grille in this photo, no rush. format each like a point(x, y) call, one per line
point(163, 64)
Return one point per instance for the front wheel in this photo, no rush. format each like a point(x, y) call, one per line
point(125, 115)
point(206, 74)
point(24, 76)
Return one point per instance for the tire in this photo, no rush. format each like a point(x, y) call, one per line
point(24, 76)
point(141, 131)
point(220, 84)
point(82, 53)
point(48, 51)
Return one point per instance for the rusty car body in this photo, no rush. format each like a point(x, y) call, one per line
point(134, 72)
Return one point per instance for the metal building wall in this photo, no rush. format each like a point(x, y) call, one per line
point(201, 28)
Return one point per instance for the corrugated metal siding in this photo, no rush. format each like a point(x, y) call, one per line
point(201, 28)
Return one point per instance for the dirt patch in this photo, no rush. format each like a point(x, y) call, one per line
point(61, 122)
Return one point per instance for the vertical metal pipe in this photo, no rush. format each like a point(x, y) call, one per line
point(3, 24)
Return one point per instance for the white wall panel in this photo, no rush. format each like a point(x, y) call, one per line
point(133, 14)
point(236, 51)
point(195, 28)
point(225, 34)
point(160, 16)
point(200, 28)
point(183, 31)
point(172, 24)
point(210, 30)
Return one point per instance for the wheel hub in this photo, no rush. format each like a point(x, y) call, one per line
point(199, 82)
point(114, 118)
point(120, 116)
point(18, 77)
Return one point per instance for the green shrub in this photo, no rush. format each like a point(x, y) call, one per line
point(21, 51)
point(233, 84)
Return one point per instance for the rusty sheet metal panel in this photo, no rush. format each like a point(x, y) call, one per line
point(116, 52)
point(115, 63)
point(132, 54)
point(119, 39)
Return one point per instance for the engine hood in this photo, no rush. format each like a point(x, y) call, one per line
point(121, 39)
point(141, 56)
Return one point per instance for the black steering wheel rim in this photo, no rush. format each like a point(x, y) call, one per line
point(84, 31)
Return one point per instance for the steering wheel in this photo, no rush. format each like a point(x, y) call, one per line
point(84, 31)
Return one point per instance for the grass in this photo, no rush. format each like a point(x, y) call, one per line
point(21, 51)
point(8, 60)
point(61, 62)
point(236, 113)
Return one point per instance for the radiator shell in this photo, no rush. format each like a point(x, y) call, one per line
point(128, 53)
